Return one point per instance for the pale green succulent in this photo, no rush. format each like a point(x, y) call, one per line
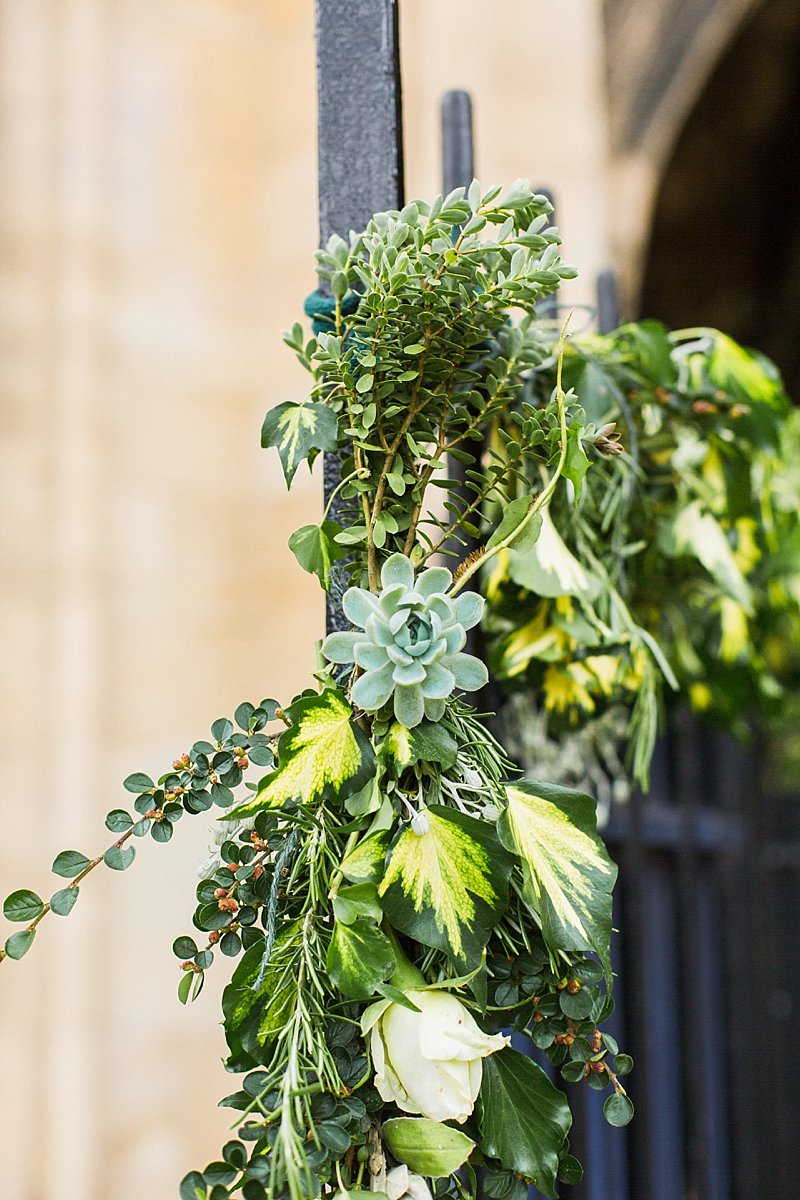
point(409, 642)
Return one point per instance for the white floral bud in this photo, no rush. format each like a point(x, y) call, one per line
point(429, 1062)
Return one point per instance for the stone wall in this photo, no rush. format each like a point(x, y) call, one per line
point(157, 228)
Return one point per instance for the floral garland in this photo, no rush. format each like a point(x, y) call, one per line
point(686, 539)
point(398, 900)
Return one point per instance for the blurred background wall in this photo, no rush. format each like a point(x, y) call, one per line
point(157, 229)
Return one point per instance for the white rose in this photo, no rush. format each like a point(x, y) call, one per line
point(429, 1062)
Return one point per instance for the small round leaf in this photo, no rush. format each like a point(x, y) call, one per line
point(118, 820)
point(20, 943)
point(63, 901)
point(184, 947)
point(119, 858)
point(23, 905)
point(69, 863)
point(618, 1110)
point(570, 1170)
point(161, 831)
point(138, 782)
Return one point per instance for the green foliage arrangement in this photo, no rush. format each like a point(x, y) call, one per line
point(679, 561)
point(395, 898)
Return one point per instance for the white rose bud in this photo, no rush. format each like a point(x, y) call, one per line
point(429, 1062)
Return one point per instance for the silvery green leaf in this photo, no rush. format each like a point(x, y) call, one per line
point(373, 689)
point(469, 609)
point(358, 605)
point(469, 672)
point(340, 647)
point(409, 704)
point(398, 570)
point(433, 580)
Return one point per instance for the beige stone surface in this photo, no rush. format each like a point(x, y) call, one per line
point(157, 227)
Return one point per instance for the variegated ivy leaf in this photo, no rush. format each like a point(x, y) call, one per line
point(447, 885)
point(697, 532)
point(568, 874)
point(299, 432)
point(550, 568)
point(427, 742)
point(323, 753)
point(365, 861)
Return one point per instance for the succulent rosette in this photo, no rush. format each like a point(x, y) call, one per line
point(409, 641)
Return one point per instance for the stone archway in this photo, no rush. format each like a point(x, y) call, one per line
point(659, 57)
point(724, 246)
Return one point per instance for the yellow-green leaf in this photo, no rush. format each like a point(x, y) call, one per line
point(697, 532)
point(365, 861)
point(549, 568)
point(427, 742)
point(426, 1146)
point(323, 753)
point(447, 885)
point(569, 876)
point(360, 958)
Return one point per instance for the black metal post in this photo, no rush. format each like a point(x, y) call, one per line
point(607, 301)
point(360, 142)
point(458, 156)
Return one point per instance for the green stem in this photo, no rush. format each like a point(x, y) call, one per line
point(544, 497)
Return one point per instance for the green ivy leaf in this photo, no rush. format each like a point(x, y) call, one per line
point(426, 1146)
point(360, 958)
point(299, 432)
point(23, 905)
point(323, 753)
point(513, 516)
point(568, 874)
point(360, 900)
point(315, 549)
point(447, 887)
point(524, 1120)
point(254, 1016)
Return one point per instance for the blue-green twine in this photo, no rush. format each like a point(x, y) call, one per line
point(321, 308)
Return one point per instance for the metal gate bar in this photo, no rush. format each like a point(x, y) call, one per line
point(360, 146)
